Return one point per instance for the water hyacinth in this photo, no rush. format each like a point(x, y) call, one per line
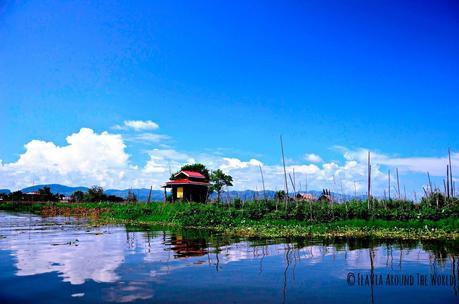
point(386, 219)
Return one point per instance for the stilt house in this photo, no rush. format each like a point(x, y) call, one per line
point(188, 186)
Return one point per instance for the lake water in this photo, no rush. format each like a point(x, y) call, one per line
point(65, 260)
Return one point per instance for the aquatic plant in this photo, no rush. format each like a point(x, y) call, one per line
point(386, 219)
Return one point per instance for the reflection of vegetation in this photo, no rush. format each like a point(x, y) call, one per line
point(255, 219)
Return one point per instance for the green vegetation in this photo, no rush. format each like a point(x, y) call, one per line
point(219, 180)
point(433, 218)
point(43, 194)
point(94, 194)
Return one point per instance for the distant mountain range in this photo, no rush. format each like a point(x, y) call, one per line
point(56, 188)
point(142, 193)
point(158, 195)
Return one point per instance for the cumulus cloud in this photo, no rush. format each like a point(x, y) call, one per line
point(436, 166)
point(166, 161)
point(137, 125)
point(313, 158)
point(91, 158)
point(229, 164)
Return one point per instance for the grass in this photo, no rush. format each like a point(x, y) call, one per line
point(260, 220)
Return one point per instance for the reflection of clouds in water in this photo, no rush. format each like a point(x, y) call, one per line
point(244, 251)
point(135, 262)
point(131, 291)
point(46, 248)
point(386, 257)
point(155, 251)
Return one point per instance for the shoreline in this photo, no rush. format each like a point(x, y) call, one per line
point(177, 216)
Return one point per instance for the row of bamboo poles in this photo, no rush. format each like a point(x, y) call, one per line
point(449, 184)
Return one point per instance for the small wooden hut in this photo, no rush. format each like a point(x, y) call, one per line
point(304, 197)
point(188, 186)
point(326, 196)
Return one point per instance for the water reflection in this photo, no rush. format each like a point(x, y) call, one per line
point(132, 264)
point(55, 245)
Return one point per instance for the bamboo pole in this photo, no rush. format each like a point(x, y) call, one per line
point(430, 183)
point(369, 180)
point(262, 182)
point(388, 178)
point(398, 184)
point(450, 172)
point(310, 202)
point(447, 181)
point(306, 186)
point(294, 187)
point(294, 182)
point(335, 190)
point(343, 199)
point(149, 194)
point(285, 173)
point(425, 192)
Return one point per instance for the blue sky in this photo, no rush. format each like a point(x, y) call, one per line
point(226, 79)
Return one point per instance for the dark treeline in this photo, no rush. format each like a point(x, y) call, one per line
point(41, 195)
point(94, 194)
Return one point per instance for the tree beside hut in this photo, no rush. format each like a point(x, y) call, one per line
point(191, 184)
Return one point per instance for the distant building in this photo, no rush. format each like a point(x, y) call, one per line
point(188, 186)
point(33, 193)
point(326, 196)
point(32, 196)
point(304, 197)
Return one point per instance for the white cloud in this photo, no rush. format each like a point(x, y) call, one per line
point(235, 163)
point(147, 138)
point(313, 158)
point(137, 125)
point(36, 254)
point(90, 158)
point(164, 161)
point(436, 166)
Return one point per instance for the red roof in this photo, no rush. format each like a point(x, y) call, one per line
point(192, 174)
point(185, 182)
